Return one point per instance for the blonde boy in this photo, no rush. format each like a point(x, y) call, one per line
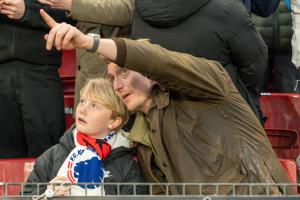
point(94, 150)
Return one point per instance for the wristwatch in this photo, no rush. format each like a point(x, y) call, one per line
point(96, 42)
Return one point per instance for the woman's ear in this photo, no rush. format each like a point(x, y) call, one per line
point(115, 123)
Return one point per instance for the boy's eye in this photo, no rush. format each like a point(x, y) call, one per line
point(94, 106)
point(82, 101)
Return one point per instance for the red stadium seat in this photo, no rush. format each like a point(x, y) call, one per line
point(290, 167)
point(68, 65)
point(69, 110)
point(67, 71)
point(14, 171)
point(284, 142)
point(283, 113)
point(68, 84)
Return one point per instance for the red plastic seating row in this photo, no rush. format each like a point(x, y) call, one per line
point(14, 171)
point(282, 125)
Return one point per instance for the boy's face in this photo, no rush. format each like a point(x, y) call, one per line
point(132, 87)
point(93, 119)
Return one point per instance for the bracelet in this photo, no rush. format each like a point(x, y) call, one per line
point(96, 43)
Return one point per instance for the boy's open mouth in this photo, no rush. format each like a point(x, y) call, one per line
point(81, 120)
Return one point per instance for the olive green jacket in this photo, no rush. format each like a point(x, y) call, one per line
point(200, 129)
point(95, 17)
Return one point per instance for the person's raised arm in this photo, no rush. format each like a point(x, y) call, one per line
point(192, 76)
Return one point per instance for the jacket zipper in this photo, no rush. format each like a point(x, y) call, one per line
point(12, 50)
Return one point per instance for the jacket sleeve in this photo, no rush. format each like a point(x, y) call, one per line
point(32, 17)
point(249, 54)
point(189, 75)
point(107, 12)
point(39, 174)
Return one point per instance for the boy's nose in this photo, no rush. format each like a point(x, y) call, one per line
point(83, 108)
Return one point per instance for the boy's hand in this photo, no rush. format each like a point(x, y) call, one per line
point(13, 9)
point(58, 4)
point(60, 190)
point(65, 36)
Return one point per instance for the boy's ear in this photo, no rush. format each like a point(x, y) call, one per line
point(115, 123)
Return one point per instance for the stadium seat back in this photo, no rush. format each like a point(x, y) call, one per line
point(284, 142)
point(283, 113)
point(290, 168)
point(69, 110)
point(68, 64)
point(67, 71)
point(14, 171)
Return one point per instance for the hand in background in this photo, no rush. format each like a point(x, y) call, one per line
point(58, 4)
point(13, 9)
point(1, 2)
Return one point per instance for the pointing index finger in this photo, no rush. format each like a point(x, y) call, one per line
point(49, 20)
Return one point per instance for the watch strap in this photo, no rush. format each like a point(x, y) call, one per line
point(96, 42)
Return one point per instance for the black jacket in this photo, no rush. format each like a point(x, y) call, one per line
point(213, 29)
point(24, 39)
point(120, 163)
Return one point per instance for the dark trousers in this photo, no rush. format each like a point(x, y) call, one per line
point(286, 77)
point(31, 109)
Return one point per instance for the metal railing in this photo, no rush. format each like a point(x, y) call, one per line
point(182, 189)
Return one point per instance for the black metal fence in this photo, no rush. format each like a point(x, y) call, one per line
point(47, 191)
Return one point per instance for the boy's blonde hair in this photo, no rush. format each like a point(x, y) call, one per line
point(101, 90)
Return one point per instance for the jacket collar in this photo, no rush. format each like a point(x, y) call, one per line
point(161, 96)
point(161, 100)
point(141, 129)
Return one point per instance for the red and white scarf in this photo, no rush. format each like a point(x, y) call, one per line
point(102, 146)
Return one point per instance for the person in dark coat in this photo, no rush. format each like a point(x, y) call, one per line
point(277, 32)
point(31, 96)
point(217, 30)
